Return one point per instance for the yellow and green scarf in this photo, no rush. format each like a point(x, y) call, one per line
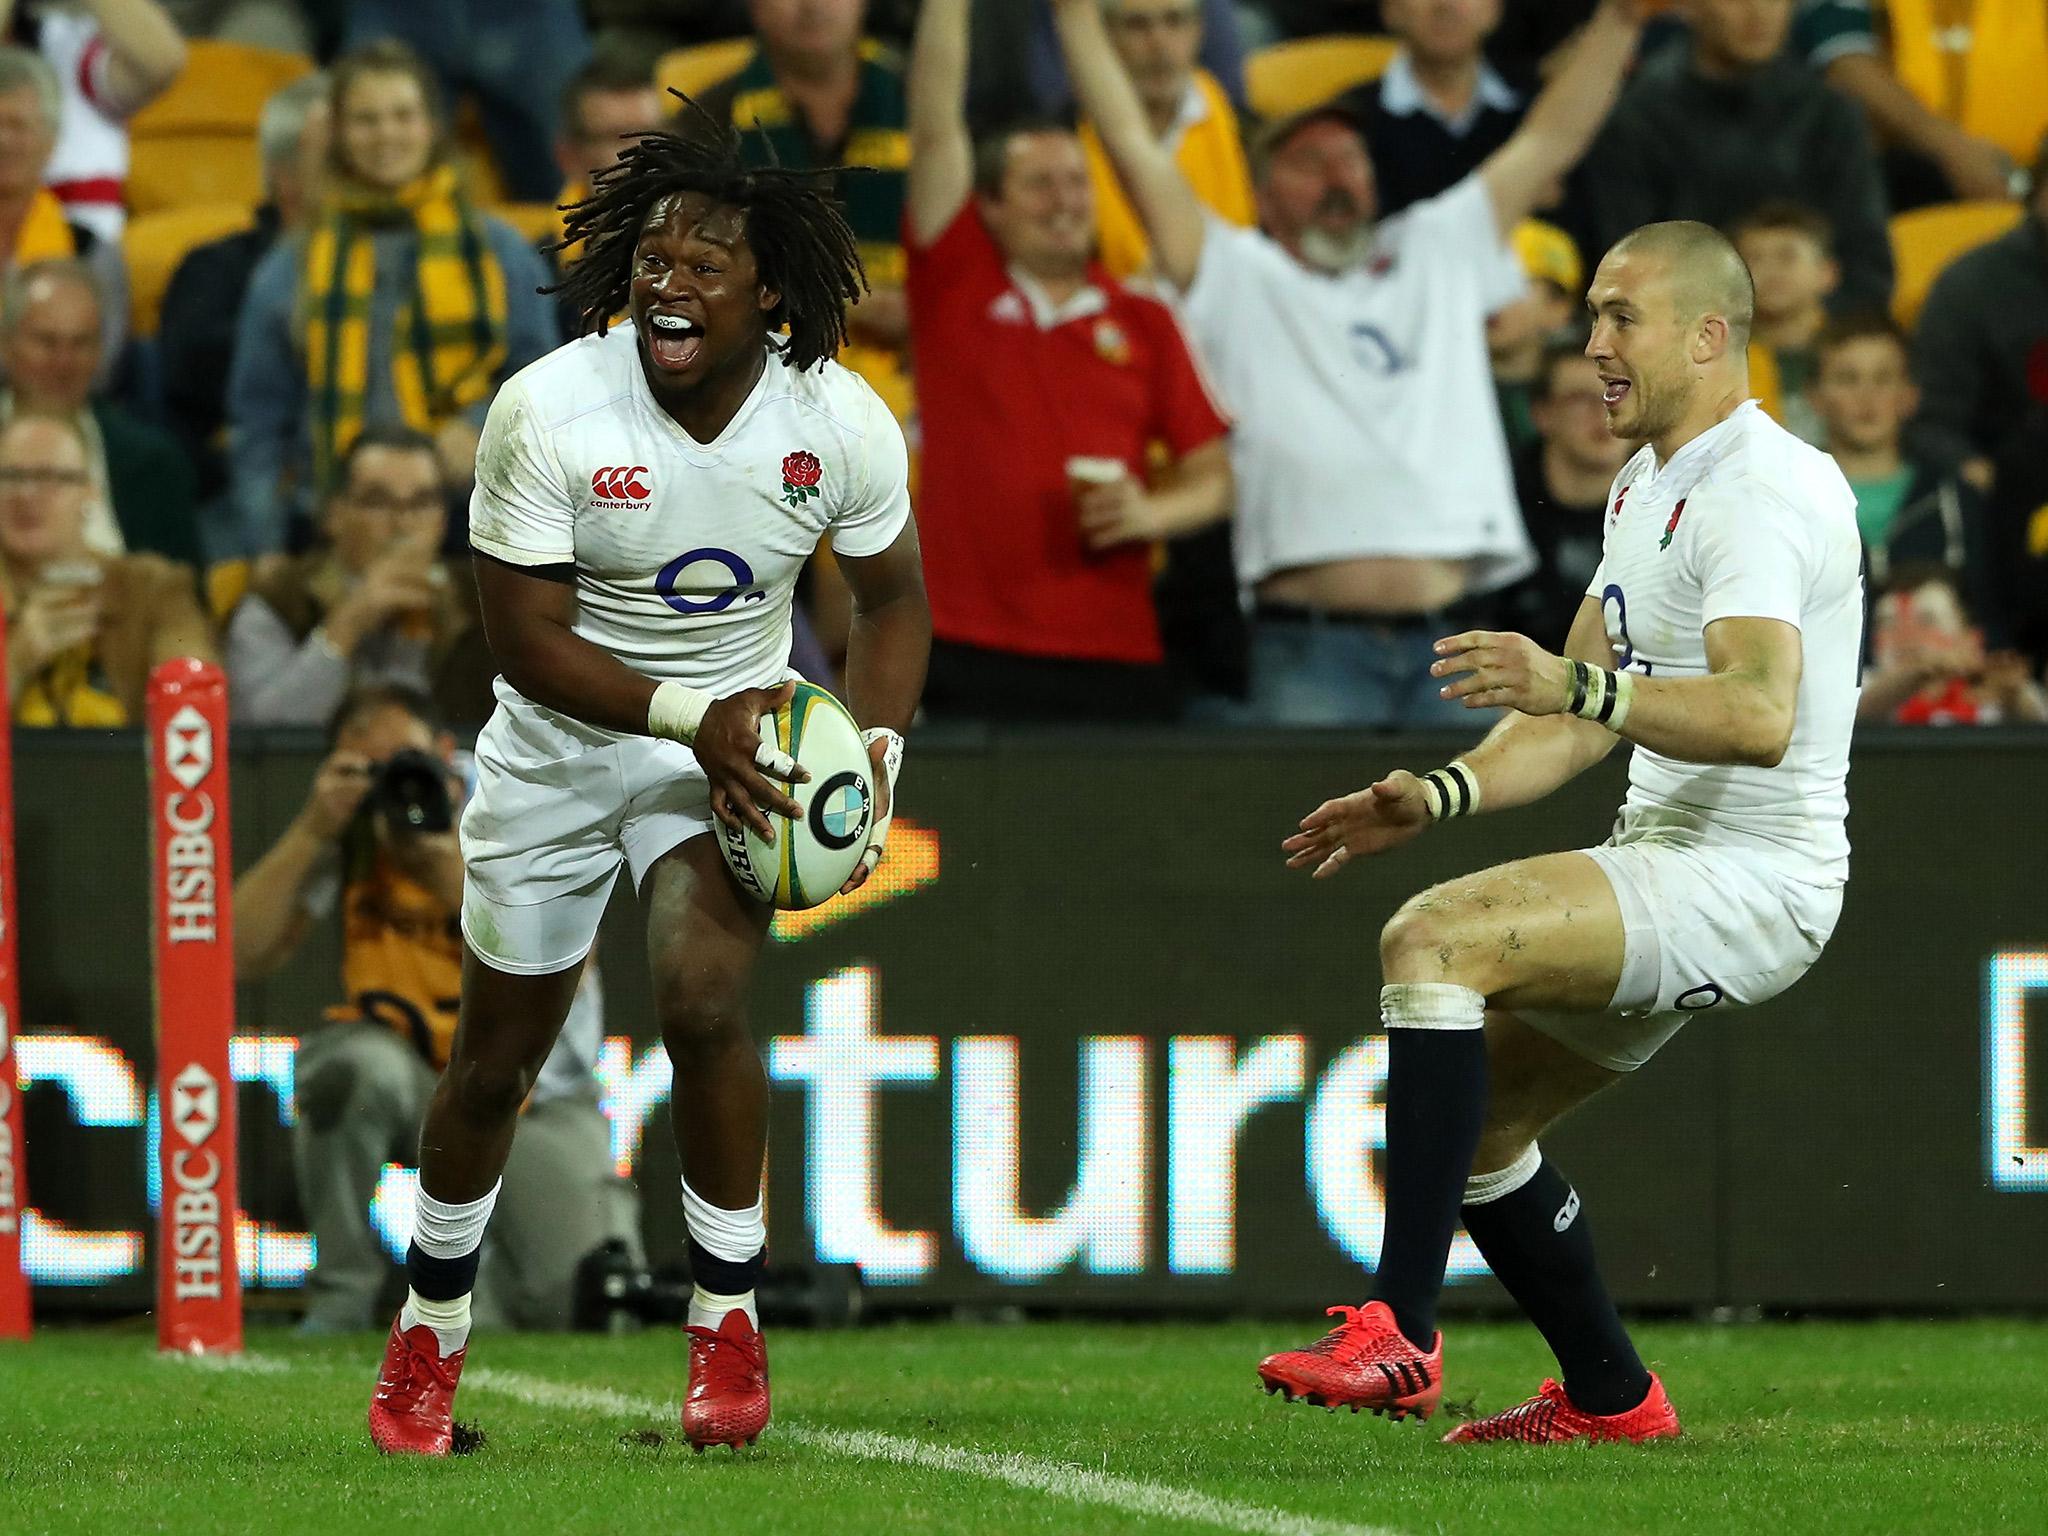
point(451, 331)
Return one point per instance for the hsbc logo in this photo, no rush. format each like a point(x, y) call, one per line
point(195, 1104)
point(621, 487)
point(188, 747)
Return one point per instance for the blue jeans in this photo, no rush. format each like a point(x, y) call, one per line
point(1315, 671)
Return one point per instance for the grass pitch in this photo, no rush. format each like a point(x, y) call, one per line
point(1797, 1430)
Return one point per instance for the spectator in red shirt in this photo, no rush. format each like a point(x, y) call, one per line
point(1930, 665)
point(1044, 385)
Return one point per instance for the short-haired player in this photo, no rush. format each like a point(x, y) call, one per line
point(646, 497)
point(1720, 637)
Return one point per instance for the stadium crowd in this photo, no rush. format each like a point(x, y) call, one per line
point(1231, 380)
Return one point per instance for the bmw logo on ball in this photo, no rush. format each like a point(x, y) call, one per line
point(839, 810)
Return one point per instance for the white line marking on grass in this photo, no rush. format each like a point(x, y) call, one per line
point(1056, 1479)
point(241, 1365)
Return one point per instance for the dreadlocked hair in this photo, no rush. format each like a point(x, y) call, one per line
point(802, 244)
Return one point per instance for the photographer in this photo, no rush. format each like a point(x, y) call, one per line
point(377, 836)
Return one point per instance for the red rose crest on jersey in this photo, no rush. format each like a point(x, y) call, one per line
point(801, 473)
point(620, 486)
point(1672, 527)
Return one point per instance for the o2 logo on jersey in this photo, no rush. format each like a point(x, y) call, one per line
point(620, 486)
point(1614, 614)
point(740, 587)
point(1375, 350)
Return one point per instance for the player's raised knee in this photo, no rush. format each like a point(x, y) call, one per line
point(1421, 941)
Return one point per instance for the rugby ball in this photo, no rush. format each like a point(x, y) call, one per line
point(813, 853)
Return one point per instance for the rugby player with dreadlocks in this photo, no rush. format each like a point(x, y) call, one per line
point(645, 499)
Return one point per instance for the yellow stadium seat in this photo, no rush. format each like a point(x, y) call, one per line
point(1293, 76)
point(227, 583)
point(536, 221)
point(1928, 239)
point(695, 70)
point(154, 244)
point(221, 91)
point(189, 170)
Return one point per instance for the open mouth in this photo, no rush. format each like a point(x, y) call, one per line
point(673, 340)
point(1612, 390)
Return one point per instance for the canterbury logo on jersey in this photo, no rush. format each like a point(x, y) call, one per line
point(626, 485)
point(1566, 1213)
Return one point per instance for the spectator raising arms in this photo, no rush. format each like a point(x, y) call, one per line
point(1035, 512)
point(1714, 125)
point(83, 629)
point(371, 604)
point(1373, 481)
point(111, 58)
point(34, 225)
point(142, 495)
point(1158, 41)
point(401, 305)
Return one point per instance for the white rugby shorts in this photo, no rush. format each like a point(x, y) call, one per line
point(1707, 928)
point(557, 807)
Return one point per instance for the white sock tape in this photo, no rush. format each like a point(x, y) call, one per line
point(1484, 1188)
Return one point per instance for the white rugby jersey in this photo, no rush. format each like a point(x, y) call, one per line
point(1745, 521)
point(686, 553)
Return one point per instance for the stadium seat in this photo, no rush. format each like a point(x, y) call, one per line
point(154, 244)
point(1928, 239)
point(692, 70)
point(1995, 89)
point(192, 170)
point(227, 583)
point(221, 91)
point(1292, 76)
point(536, 221)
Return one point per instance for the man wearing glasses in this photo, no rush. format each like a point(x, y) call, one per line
point(371, 604)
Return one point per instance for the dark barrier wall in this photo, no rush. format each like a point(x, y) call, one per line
point(1097, 1046)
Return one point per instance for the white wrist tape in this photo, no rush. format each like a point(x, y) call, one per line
point(1599, 695)
point(676, 711)
point(1452, 790)
point(892, 764)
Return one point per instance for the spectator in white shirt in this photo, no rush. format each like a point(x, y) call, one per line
point(112, 58)
point(1373, 483)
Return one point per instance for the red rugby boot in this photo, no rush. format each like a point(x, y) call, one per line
point(727, 1403)
point(1549, 1418)
point(1363, 1362)
point(413, 1408)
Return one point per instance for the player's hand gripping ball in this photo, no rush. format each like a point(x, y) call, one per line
point(815, 850)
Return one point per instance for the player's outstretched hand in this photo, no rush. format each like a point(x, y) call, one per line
point(1497, 670)
point(1382, 816)
point(878, 755)
point(742, 767)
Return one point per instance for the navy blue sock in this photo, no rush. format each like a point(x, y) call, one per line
point(1436, 1101)
point(1539, 1244)
point(439, 1279)
point(724, 1277)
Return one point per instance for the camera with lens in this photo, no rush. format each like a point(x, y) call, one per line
point(410, 793)
point(613, 1294)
